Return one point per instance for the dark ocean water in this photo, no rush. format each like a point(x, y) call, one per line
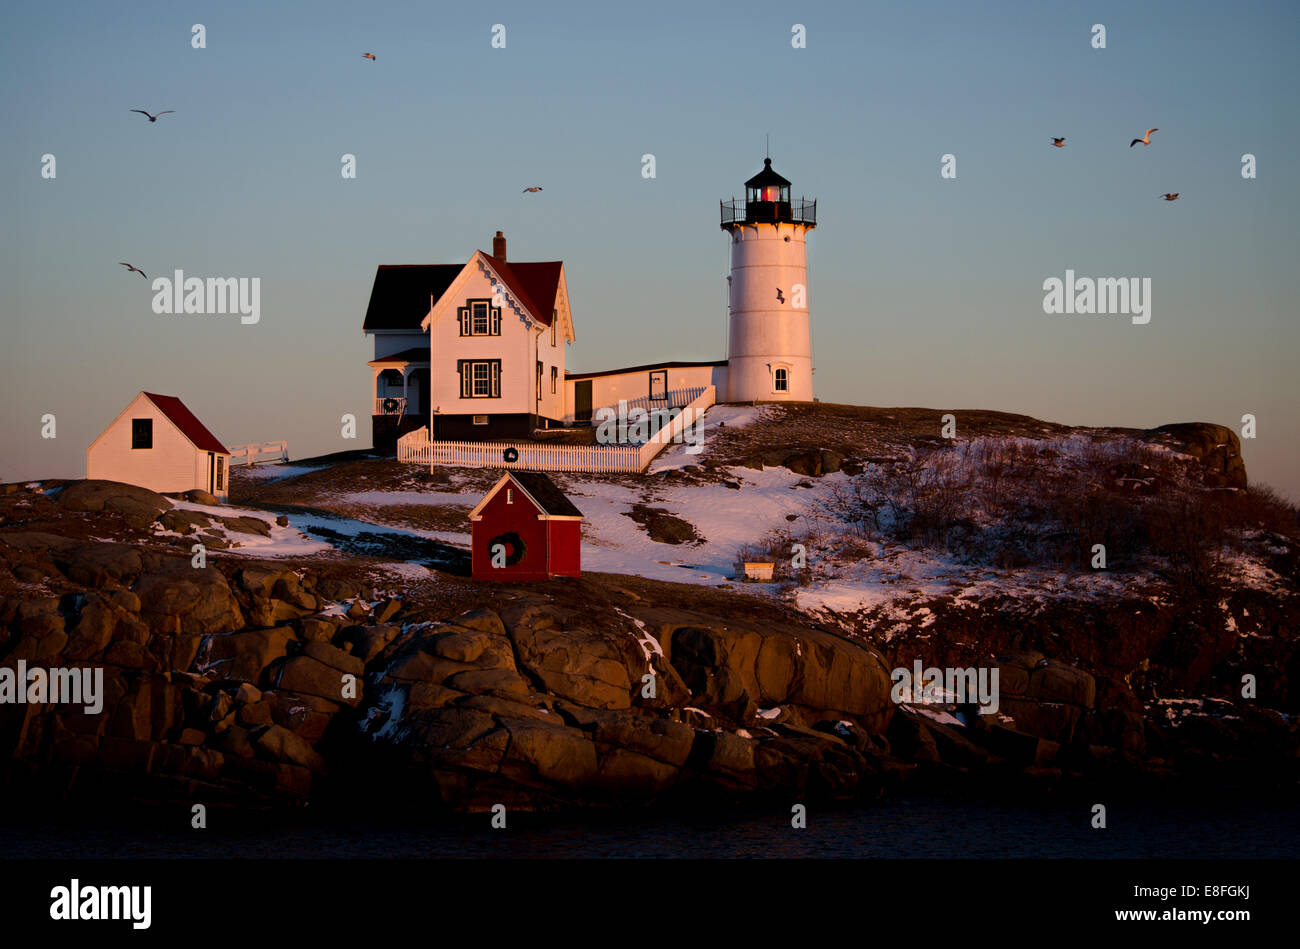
point(901, 828)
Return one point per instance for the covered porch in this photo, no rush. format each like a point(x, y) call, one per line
point(401, 396)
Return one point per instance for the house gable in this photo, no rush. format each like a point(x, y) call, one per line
point(182, 421)
point(506, 293)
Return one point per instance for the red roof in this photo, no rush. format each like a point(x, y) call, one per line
point(186, 421)
point(535, 284)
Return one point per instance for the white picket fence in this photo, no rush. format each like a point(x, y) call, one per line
point(416, 448)
point(248, 454)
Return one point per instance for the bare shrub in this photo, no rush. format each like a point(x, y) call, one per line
point(1013, 502)
point(1262, 508)
point(1188, 529)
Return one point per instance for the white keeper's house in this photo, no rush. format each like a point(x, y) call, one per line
point(159, 444)
point(476, 351)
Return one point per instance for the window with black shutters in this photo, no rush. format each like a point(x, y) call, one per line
point(479, 378)
point(479, 318)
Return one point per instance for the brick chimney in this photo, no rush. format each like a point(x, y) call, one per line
point(499, 246)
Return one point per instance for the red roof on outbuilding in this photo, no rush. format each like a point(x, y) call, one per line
point(186, 421)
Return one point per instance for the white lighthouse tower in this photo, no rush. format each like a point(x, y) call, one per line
point(769, 351)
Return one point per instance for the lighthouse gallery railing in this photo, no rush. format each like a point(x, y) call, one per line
point(802, 211)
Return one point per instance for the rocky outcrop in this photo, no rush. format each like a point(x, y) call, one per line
point(1216, 447)
point(235, 680)
point(809, 461)
point(535, 705)
point(247, 681)
point(139, 507)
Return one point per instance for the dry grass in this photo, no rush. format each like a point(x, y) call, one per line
point(861, 432)
point(1010, 502)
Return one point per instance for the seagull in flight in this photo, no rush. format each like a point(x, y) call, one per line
point(1145, 140)
point(529, 190)
point(1171, 197)
point(369, 56)
point(133, 269)
point(1059, 142)
point(153, 118)
point(779, 297)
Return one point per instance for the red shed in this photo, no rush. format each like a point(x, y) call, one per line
point(537, 527)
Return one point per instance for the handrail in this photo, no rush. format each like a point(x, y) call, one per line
point(799, 211)
point(250, 452)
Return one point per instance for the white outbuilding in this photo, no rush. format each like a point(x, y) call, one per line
point(159, 444)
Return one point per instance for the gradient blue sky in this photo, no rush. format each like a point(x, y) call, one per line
point(923, 291)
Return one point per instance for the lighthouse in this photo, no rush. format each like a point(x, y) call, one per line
point(769, 348)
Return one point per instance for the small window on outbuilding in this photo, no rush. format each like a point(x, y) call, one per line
point(141, 433)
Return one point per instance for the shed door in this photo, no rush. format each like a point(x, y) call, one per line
point(582, 400)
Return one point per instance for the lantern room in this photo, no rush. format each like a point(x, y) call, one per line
point(767, 187)
point(767, 201)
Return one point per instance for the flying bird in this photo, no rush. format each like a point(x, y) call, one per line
point(779, 297)
point(527, 190)
point(368, 56)
point(1171, 197)
point(1145, 140)
point(133, 269)
point(153, 118)
point(1059, 142)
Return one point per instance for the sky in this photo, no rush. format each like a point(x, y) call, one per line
point(923, 290)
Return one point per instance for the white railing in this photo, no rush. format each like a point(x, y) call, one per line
point(249, 454)
point(587, 458)
point(677, 398)
point(415, 448)
point(673, 430)
point(398, 405)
